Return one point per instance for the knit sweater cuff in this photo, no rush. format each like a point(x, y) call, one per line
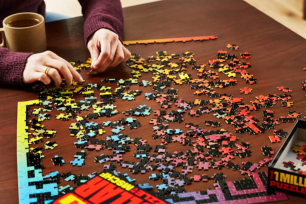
point(12, 65)
point(96, 22)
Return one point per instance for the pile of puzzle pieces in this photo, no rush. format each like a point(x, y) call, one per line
point(208, 149)
point(300, 150)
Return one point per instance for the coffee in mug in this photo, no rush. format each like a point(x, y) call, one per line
point(23, 23)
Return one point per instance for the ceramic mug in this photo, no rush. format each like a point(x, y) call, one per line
point(24, 32)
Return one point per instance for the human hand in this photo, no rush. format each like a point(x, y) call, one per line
point(59, 68)
point(112, 51)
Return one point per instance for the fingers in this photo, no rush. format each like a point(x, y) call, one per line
point(106, 50)
point(94, 53)
point(40, 76)
point(103, 57)
point(37, 64)
point(74, 73)
point(53, 73)
point(119, 56)
point(127, 54)
point(61, 67)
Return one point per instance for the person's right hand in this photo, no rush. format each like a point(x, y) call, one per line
point(59, 68)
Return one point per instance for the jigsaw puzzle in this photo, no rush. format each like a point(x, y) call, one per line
point(107, 143)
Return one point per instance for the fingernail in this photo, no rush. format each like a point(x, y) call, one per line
point(81, 79)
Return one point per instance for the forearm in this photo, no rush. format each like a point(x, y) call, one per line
point(102, 14)
point(11, 67)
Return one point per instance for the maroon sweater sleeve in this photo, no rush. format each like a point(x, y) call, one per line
point(102, 14)
point(11, 67)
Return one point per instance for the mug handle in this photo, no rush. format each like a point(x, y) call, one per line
point(3, 37)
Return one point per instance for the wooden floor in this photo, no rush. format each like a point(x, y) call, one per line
point(287, 12)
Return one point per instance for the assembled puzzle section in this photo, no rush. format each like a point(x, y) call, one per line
point(170, 40)
point(30, 178)
point(287, 172)
point(252, 190)
point(119, 188)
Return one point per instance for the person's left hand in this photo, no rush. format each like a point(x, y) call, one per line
point(106, 50)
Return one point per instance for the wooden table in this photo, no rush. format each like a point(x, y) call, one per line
point(278, 56)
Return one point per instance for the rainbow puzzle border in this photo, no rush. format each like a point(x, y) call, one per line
point(24, 189)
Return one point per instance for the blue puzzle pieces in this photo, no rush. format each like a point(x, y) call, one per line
point(78, 162)
point(52, 174)
point(70, 178)
point(128, 178)
point(145, 186)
